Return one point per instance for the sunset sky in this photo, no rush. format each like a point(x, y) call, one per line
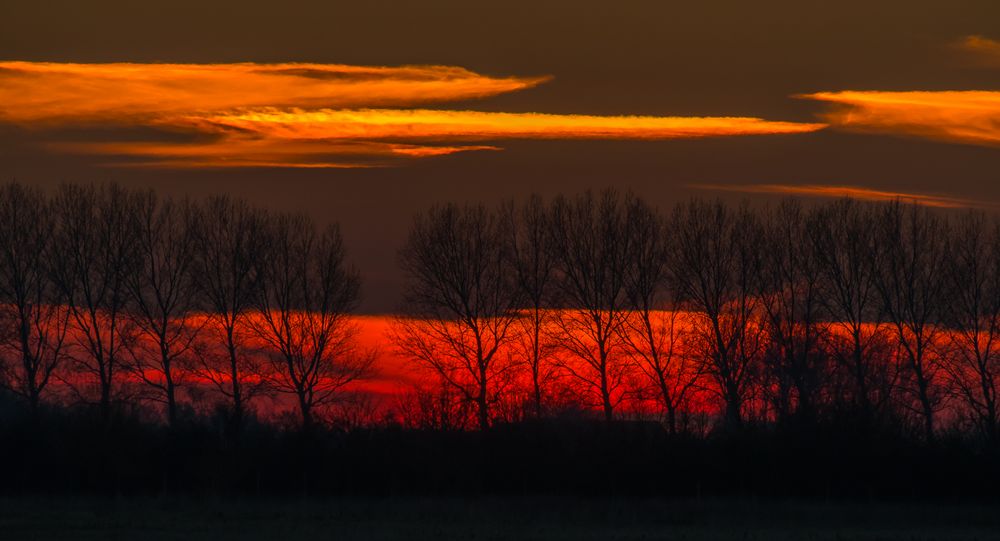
point(367, 112)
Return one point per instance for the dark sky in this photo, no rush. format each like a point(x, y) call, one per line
point(705, 58)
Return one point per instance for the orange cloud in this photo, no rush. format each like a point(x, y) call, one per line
point(982, 50)
point(370, 137)
point(307, 115)
point(240, 151)
point(969, 117)
point(473, 125)
point(855, 192)
point(43, 91)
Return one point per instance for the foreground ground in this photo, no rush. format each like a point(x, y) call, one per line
point(485, 518)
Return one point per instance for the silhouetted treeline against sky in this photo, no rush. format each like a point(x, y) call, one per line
point(117, 296)
point(843, 328)
point(710, 315)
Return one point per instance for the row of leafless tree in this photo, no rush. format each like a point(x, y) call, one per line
point(776, 313)
point(119, 294)
point(773, 313)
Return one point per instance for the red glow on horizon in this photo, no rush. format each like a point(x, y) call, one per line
point(396, 378)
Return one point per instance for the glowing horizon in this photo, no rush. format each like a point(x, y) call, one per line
point(395, 375)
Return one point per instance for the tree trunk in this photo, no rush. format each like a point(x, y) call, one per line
point(924, 397)
point(30, 368)
point(171, 396)
point(34, 401)
point(538, 392)
point(105, 404)
point(806, 409)
point(609, 413)
point(989, 398)
point(536, 368)
point(234, 375)
point(306, 409)
point(925, 404)
point(863, 400)
point(483, 410)
point(734, 415)
point(668, 404)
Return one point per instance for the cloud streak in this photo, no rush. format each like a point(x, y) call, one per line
point(42, 91)
point(372, 137)
point(966, 117)
point(307, 115)
point(475, 125)
point(242, 151)
point(855, 192)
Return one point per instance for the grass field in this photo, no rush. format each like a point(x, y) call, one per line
point(487, 519)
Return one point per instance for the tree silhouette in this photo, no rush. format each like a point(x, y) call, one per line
point(652, 330)
point(460, 301)
point(972, 291)
point(909, 272)
point(305, 296)
point(589, 237)
point(843, 242)
point(534, 267)
point(162, 290)
point(229, 241)
point(33, 307)
point(789, 291)
point(95, 241)
point(715, 267)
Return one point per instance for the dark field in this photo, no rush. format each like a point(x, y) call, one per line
point(490, 518)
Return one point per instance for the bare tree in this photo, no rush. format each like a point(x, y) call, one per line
point(715, 264)
point(460, 301)
point(305, 295)
point(30, 300)
point(653, 327)
point(589, 236)
point(228, 244)
point(973, 314)
point(789, 290)
point(533, 265)
point(843, 242)
point(162, 292)
point(909, 274)
point(95, 253)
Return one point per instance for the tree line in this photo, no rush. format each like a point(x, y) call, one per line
point(882, 313)
point(703, 315)
point(120, 296)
